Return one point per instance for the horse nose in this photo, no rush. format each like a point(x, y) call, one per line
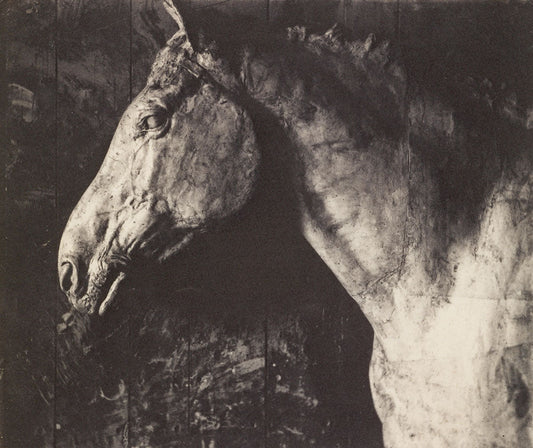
point(68, 277)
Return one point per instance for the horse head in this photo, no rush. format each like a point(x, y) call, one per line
point(157, 186)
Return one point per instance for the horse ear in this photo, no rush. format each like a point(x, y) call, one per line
point(181, 38)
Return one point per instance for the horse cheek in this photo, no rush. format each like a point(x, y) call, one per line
point(146, 169)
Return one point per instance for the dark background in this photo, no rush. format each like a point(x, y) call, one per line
point(267, 349)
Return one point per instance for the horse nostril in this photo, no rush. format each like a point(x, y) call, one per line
point(68, 277)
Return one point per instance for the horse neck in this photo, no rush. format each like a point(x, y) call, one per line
point(345, 123)
point(313, 112)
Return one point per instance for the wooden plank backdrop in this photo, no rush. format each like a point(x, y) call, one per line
point(267, 350)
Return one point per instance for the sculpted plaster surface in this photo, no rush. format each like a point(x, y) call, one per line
point(420, 206)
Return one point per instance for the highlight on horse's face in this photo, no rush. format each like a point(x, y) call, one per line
point(183, 156)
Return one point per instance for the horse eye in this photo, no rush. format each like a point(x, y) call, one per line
point(155, 121)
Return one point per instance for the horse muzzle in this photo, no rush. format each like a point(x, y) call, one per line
point(101, 288)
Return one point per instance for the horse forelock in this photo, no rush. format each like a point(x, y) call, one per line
point(168, 67)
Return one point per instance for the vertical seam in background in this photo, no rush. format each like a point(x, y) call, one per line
point(407, 137)
point(344, 14)
point(130, 78)
point(189, 379)
point(265, 386)
point(56, 177)
point(265, 324)
point(131, 50)
point(397, 24)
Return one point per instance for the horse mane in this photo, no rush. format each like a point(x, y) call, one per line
point(456, 119)
point(373, 72)
point(335, 41)
point(226, 37)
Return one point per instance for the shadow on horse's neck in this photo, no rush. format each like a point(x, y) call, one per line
point(238, 263)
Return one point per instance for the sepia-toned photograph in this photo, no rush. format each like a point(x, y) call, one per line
point(266, 224)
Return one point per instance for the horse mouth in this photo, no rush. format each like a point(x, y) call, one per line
point(101, 292)
point(106, 277)
point(112, 285)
